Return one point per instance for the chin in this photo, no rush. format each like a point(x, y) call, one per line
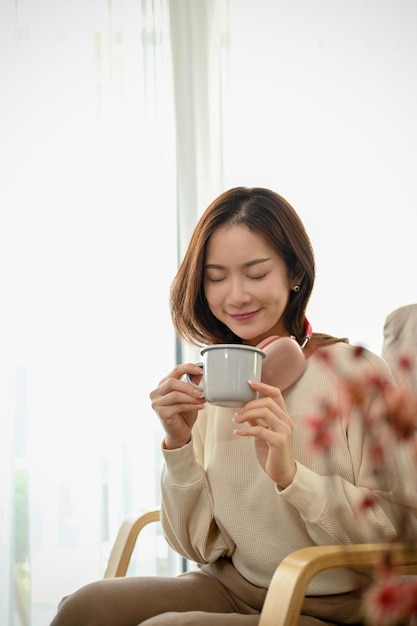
point(252, 338)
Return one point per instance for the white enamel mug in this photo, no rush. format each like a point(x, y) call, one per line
point(227, 368)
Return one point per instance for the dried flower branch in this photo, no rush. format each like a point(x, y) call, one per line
point(391, 598)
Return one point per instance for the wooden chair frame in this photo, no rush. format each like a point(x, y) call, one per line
point(289, 583)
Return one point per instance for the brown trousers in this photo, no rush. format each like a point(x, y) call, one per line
point(216, 595)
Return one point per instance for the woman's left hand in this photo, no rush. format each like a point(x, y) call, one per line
point(273, 431)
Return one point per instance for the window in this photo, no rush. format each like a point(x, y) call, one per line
point(88, 250)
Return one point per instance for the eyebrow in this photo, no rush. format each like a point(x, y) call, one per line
point(248, 264)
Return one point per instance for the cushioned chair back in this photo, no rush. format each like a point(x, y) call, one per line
point(400, 339)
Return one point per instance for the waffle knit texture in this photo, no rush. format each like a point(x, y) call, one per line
point(218, 501)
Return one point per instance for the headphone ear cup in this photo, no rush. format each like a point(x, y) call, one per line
point(284, 361)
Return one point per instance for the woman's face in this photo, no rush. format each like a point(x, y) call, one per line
point(246, 283)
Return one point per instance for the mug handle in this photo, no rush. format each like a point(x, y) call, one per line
point(190, 380)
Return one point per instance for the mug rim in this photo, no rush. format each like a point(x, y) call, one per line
point(238, 346)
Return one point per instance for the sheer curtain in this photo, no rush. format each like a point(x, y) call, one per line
point(87, 252)
point(200, 52)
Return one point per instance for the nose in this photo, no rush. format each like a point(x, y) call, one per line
point(237, 294)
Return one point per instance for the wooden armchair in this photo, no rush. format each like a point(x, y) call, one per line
point(285, 595)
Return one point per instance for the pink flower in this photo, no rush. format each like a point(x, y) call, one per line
point(324, 356)
point(401, 411)
point(355, 391)
point(367, 502)
point(390, 600)
point(406, 362)
point(321, 439)
point(358, 351)
point(376, 453)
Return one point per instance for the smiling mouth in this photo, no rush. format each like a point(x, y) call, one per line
point(242, 317)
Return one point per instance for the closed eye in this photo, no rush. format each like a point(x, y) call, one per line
point(214, 280)
point(258, 277)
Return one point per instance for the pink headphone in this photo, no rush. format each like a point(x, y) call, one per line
point(285, 360)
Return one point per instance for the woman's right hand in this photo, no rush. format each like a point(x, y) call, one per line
point(177, 402)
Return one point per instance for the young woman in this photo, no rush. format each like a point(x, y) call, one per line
point(242, 488)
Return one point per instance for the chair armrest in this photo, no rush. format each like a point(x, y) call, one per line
point(124, 544)
point(284, 600)
point(285, 596)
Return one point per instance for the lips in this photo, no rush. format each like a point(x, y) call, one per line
point(243, 317)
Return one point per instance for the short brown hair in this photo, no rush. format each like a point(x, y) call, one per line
point(273, 218)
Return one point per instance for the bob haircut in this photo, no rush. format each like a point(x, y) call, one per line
point(267, 213)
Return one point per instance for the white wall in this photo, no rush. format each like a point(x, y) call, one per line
point(323, 109)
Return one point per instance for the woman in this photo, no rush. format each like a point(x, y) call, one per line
point(241, 489)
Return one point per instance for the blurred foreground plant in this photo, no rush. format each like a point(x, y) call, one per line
point(391, 597)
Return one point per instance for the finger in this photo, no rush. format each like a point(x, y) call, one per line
point(264, 412)
point(259, 408)
point(268, 391)
point(180, 370)
point(175, 397)
point(261, 431)
point(173, 382)
point(268, 422)
point(167, 412)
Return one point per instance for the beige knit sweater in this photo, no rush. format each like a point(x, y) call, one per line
point(217, 500)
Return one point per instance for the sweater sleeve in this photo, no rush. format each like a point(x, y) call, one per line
point(378, 501)
point(187, 510)
point(337, 511)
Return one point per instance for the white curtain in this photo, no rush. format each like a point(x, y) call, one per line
point(87, 253)
point(199, 52)
point(199, 43)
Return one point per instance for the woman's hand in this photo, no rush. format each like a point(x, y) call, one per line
point(273, 431)
point(177, 403)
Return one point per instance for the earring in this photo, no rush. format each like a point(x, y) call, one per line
point(296, 288)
